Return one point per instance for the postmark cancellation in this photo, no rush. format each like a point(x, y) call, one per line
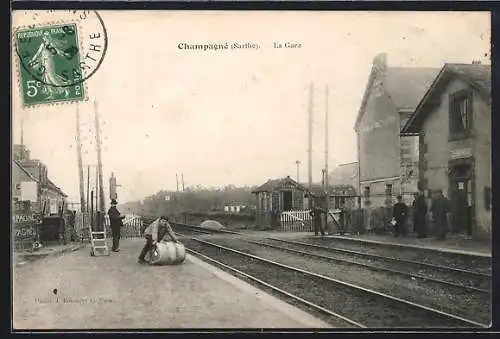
point(55, 59)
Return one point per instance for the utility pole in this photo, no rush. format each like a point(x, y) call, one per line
point(309, 151)
point(22, 136)
point(96, 189)
point(327, 183)
point(80, 165)
point(88, 188)
point(177, 181)
point(182, 178)
point(325, 175)
point(100, 193)
point(297, 162)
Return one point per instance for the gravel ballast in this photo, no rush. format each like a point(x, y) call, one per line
point(455, 260)
point(461, 278)
point(366, 308)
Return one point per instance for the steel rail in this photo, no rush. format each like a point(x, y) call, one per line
point(349, 285)
point(277, 289)
point(381, 257)
point(375, 268)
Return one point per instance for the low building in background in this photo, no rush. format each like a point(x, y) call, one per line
point(276, 196)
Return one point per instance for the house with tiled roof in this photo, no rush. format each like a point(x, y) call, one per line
point(386, 161)
point(30, 182)
point(453, 122)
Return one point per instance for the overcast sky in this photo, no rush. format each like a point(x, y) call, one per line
point(233, 116)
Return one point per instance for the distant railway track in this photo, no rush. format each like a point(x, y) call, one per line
point(475, 282)
point(459, 278)
point(197, 229)
point(344, 304)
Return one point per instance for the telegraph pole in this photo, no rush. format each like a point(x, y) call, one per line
point(22, 135)
point(309, 151)
point(100, 193)
point(177, 181)
point(182, 178)
point(327, 184)
point(297, 162)
point(88, 187)
point(80, 165)
point(325, 176)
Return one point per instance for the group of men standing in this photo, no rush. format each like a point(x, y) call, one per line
point(439, 214)
point(439, 211)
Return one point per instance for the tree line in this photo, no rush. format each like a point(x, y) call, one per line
point(193, 200)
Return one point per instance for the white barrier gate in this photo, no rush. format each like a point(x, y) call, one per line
point(296, 221)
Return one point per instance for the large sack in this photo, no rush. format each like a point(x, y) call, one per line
point(212, 225)
point(168, 253)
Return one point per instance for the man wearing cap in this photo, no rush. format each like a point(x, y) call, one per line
point(116, 221)
point(159, 229)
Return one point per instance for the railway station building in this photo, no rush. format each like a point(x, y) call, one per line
point(453, 124)
point(285, 198)
point(387, 161)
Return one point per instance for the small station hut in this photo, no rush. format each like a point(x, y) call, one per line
point(276, 196)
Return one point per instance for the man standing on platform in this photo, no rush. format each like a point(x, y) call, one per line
point(400, 213)
point(316, 214)
point(440, 208)
point(116, 221)
point(420, 215)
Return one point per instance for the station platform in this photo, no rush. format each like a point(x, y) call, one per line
point(76, 291)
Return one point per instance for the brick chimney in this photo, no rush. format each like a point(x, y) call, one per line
point(380, 64)
point(379, 71)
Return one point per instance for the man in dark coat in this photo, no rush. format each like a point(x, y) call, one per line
point(440, 208)
point(420, 215)
point(400, 213)
point(116, 221)
point(316, 214)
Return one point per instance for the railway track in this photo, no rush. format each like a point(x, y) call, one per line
point(199, 230)
point(460, 278)
point(343, 304)
point(475, 282)
point(453, 259)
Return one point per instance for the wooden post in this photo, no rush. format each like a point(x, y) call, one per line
point(310, 130)
point(327, 183)
point(88, 187)
point(91, 208)
point(79, 155)
point(100, 192)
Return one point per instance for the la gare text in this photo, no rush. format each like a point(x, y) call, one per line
point(287, 45)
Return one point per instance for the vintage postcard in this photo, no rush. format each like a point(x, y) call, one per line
point(251, 169)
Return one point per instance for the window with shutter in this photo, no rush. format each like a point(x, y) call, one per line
point(460, 114)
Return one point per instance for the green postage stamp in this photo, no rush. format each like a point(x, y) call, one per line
point(49, 64)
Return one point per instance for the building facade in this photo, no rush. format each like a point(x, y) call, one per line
point(30, 182)
point(387, 163)
point(453, 122)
